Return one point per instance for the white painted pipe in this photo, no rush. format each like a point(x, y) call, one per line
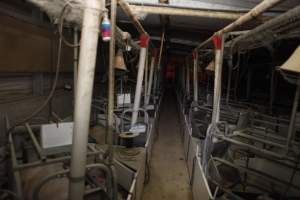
point(150, 79)
point(219, 44)
point(75, 60)
point(139, 83)
point(86, 72)
point(195, 59)
point(132, 16)
point(146, 79)
point(179, 11)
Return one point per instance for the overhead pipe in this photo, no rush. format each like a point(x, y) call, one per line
point(252, 14)
point(195, 73)
point(164, 9)
point(197, 8)
point(141, 67)
point(86, 72)
point(153, 59)
point(219, 49)
point(126, 8)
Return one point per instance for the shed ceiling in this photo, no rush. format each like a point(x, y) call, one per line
point(179, 28)
point(199, 25)
point(221, 4)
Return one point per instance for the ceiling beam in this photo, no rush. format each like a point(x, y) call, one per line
point(177, 11)
point(252, 14)
point(134, 19)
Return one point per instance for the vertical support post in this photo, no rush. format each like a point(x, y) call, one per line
point(86, 72)
point(153, 59)
point(157, 69)
point(187, 84)
point(111, 81)
point(195, 83)
point(219, 48)
point(146, 78)
point(75, 60)
point(293, 116)
point(138, 90)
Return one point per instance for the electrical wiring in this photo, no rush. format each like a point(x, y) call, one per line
point(49, 97)
point(60, 27)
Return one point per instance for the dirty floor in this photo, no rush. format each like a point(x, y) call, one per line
point(169, 176)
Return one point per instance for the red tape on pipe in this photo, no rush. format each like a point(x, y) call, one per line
point(144, 41)
point(217, 39)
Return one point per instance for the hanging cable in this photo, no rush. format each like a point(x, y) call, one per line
point(60, 27)
point(45, 103)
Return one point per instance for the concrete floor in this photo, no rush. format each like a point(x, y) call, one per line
point(168, 171)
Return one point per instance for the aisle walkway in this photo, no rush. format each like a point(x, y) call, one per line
point(169, 177)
